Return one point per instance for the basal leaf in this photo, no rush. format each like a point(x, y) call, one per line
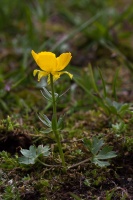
point(100, 163)
point(31, 153)
point(27, 161)
point(44, 150)
point(106, 153)
point(30, 156)
point(87, 143)
point(96, 145)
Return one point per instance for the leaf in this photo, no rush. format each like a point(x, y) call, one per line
point(106, 153)
point(55, 94)
point(93, 82)
point(103, 83)
point(26, 161)
point(47, 119)
point(113, 106)
point(116, 105)
point(47, 130)
point(60, 122)
point(98, 154)
point(29, 153)
point(30, 156)
point(44, 150)
point(87, 143)
point(46, 94)
point(100, 163)
point(44, 119)
point(124, 108)
point(96, 145)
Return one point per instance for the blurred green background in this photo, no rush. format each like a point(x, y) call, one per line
point(94, 31)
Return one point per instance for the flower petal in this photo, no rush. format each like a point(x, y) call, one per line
point(40, 74)
point(35, 72)
point(45, 60)
point(63, 60)
point(56, 75)
point(48, 80)
point(35, 55)
point(65, 72)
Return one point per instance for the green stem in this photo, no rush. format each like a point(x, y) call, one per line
point(56, 132)
point(46, 165)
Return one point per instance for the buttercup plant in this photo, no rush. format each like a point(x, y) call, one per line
point(52, 67)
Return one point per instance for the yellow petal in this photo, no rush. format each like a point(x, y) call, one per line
point(65, 72)
point(35, 72)
point(48, 80)
point(63, 60)
point(35, 55)
point(56, 75)
point(40, 74)
point(47, 61)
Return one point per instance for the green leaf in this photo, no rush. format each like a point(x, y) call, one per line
point(46, 94)
point(30, 156)
point(87, 143)
point(94, 85)
point(116, 105)
point(124, 108)
point(103, 83)
point(113, 106)
point(96, 145)
point(106, 153)
point(100, 163)
point(60, 123)
point(48, 130)
point(55, 94)
point(44, 119)
point(29, 153)
point(26, 161)
point(98, 154)
point(44, 150)
point(47, 120)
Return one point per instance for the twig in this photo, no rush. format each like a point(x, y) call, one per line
point(80, 163)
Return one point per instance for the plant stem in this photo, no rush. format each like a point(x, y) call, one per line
point(46, 165)
point(54, 121)
point(80, 163)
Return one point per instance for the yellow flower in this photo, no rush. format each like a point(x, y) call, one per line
point(50, 64)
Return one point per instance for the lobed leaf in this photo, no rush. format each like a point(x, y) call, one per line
point(44, 150)
point(106, 153)
point(96, 145)
point(30, 156)
point(100, 163)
